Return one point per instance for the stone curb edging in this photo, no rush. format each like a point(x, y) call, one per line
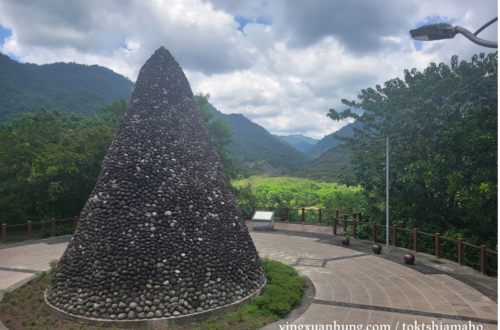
point(145, 323)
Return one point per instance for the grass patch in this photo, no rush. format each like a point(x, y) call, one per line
point(24, 308)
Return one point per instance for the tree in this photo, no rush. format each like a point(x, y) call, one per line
point(221, 135)
point(50, 161)
point(442, 126)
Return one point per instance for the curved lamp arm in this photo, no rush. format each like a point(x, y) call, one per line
point(469, 35)
point(486, 25)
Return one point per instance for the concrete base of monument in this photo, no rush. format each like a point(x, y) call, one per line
point(154, 322)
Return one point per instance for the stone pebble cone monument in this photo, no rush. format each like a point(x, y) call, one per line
point(161, 235)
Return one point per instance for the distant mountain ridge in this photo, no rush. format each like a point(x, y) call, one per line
point(299, 141)
point(328, 141)
point(253, 143)
point(69, 87)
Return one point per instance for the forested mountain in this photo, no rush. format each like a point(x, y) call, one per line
point(328, 141)
point(69, 87)
point(299, 141)
point(326, 167)
point(253, 143)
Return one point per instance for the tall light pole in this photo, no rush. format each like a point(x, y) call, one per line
point(373, 137)
point(387, 197)
point(446, 31)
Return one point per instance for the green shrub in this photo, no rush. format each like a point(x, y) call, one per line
point(284, 291)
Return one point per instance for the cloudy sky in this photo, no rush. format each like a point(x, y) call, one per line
point(281, 63)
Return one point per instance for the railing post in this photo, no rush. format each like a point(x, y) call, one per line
point(335, 219)
point(254, 209)
point(483, 259)
point(374, 232)
point(75, 223)
point(354, 228)
point(437, 244)
point(345, 222)
point(337, 213)
point(319, 217)
point(415, 239)
point(270, 208)
point(29, 230)
point(394, 235)
point(302, 215)
point(359, 212)
point(4, 233)
point(53, 227)
point(460, 252)
point(286, 214)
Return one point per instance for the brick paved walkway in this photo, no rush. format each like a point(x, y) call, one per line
point(349, 285)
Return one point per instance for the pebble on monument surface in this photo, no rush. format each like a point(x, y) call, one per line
point(161, 235)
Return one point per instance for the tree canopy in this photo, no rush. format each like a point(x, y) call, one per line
point(442, 127)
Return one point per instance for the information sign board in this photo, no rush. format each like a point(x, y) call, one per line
point(263, 220)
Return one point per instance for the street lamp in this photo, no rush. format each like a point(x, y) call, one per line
point(446, 31)
point(387, 191)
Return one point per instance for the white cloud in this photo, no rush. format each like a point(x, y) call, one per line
point(285, 75)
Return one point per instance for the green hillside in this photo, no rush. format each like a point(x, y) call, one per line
point(326, 167)
point(299, 141)
point(69, 87)
point(253, 143)
point(328, 141)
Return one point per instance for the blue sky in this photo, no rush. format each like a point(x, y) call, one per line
point(242, 21)
point(4, 34)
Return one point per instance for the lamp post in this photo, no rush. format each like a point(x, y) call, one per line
point(387, 191)
point(387, 197)
point(446, 31)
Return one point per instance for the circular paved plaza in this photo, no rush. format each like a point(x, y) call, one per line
point(347, 285)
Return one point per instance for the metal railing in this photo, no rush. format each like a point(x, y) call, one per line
point(37, 230)
point(477, 257)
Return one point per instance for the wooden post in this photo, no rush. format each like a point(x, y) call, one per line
point(483, 259)
point(75, 223)
point(415, 239)
point(319, 217)
point(337, 213)
point(270, 208)
point(359, 212)
point(253, 210)
point(302, 215)
point(437, 244)
point(335, 219)
point(460, 252)
point(394, 234)
point(29, 230)
point(53, 227)
point(286, 214)
point(345, 222)
point(354, 225)
point(4, 233)
point(374, 232)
